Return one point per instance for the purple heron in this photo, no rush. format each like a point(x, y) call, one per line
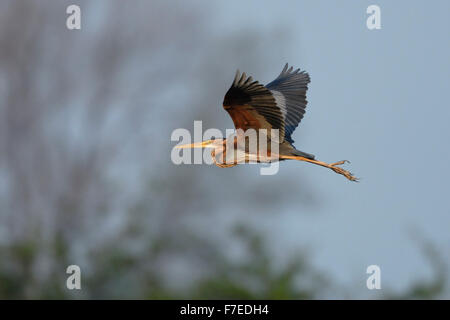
point(278, 105)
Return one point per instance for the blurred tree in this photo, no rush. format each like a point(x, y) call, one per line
point(77, 110)
point(433, 288)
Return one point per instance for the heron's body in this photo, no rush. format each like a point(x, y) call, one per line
point(221, 146)
point(273, 112)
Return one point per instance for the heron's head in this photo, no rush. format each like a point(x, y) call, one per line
point(214, 143)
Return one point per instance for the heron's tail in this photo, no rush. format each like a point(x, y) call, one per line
point(302, 154)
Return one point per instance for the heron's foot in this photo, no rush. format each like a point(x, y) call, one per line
point(339, 170)
point(221, 165)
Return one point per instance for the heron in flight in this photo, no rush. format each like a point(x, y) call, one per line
point(279, 105)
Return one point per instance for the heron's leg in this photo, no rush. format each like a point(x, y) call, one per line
point(332, 166)
point(221, 165)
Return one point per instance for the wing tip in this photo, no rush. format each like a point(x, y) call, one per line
point(236, 77)
point(242, 80)
point(289, 70)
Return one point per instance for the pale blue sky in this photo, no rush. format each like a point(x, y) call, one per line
point(379, 99)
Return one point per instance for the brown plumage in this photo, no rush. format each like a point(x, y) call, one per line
point(279, 106)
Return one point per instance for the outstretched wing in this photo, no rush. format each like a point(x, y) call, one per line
point(289, 89)
point(251, 105)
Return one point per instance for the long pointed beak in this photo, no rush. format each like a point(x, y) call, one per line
point(202, 144)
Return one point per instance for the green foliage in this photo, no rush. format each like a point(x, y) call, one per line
point(426, 289)
point(116, 273)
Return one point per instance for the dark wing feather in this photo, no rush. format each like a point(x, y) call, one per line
point(251, 105)
point(290, 89)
